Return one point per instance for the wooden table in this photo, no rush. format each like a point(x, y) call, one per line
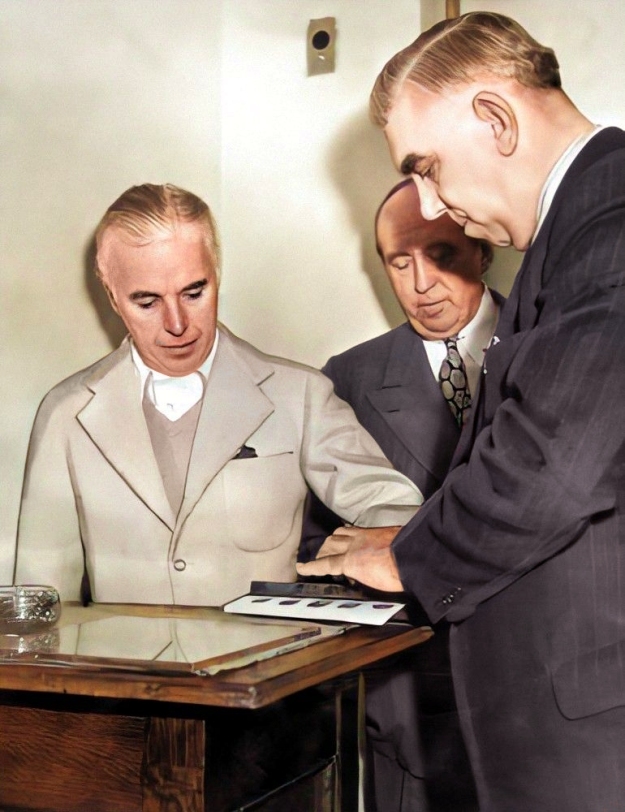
point(68, 742)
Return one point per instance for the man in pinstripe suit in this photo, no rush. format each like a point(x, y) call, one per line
point(523, 548)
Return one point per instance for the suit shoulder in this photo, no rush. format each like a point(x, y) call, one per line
point(598, 169)
point(367, 359)
point(73, 391)
point(372, 348)
point(260, 362)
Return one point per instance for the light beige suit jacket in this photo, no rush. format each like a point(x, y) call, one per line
point(94, 500)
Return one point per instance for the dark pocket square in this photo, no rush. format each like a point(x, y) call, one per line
point(245, 453)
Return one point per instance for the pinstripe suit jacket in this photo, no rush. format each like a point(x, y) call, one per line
point(524, 545)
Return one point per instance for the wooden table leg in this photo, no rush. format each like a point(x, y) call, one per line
point(172, 775)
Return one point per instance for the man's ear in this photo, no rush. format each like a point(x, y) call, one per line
point(109, 293)
point(496, 111)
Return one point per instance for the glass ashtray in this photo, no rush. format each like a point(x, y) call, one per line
point(28, 609)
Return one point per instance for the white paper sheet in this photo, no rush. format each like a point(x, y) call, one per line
point(371, 613)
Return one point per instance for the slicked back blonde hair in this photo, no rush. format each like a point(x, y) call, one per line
point(148, 212)
point(457, 51)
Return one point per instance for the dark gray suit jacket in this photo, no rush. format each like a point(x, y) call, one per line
point(524, 545)
point(389, 383)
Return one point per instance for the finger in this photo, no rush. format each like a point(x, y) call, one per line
point(345, 530)
point(329, 565)
point(333, 546)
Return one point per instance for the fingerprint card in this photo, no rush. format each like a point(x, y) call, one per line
point(371, 613)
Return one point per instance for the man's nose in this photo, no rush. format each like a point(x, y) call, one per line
point(424, 274)
point(174, 318)
point(431, 204)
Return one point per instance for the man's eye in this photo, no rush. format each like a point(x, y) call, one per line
point(400, 264)
point(195, 294)
point(444, 259)
point(427, 172)
point(147, 304)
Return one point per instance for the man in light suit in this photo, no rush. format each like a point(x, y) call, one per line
point(416, 755)
point(523, 547)
point(175, 469)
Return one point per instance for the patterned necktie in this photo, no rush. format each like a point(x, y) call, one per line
point(453, 381)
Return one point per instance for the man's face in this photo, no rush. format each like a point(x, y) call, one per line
point(453, 157)
point(435, 270)
point(166, 294)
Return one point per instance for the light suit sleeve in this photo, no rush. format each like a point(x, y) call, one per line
point(346, 468)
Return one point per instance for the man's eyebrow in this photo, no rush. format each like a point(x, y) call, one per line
point(143, 294)
point(395, 254)
point(201, 283)
point(148, 294)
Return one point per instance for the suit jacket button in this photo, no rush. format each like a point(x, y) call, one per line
point(180, 564)
point(451, 597)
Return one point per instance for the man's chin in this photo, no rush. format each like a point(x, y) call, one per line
point(177, 364)
point(435, 331)
point(497, 237)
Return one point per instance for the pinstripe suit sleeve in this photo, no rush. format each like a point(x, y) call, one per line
point(549, 460)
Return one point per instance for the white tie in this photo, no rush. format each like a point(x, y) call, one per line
point(173, 397)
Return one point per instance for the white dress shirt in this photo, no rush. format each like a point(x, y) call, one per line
point(554, 179)
point(473, 341)
point(173, 396)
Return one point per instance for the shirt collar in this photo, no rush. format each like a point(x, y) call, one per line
point(476, 335)
point(555, 177)
point(144, 370)
point(473, 341)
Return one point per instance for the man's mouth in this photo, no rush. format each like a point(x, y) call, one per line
point(427, 306)
point(175, 347)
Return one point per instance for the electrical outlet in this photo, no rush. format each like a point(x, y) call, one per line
point(320, 45)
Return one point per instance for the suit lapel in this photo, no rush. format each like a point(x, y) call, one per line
point(411, 404)
point(115, 422)
point(234, 407)
point(521, 310)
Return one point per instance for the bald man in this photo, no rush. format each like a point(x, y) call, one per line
point(416, 755)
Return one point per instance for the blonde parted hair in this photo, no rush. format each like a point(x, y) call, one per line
point(457, 51)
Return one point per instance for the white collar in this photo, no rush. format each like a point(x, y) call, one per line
point(554, 179)
point(173, 396)
point(476, 335)
point(473, 341)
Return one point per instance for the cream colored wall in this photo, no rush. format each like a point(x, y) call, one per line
point(209, 94)
point(96, 95)
point(303, 171)
point(213, 95)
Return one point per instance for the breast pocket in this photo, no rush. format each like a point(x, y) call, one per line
point(591, 683)
point(264, 496)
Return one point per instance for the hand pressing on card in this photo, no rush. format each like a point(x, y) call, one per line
point(362, 554)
